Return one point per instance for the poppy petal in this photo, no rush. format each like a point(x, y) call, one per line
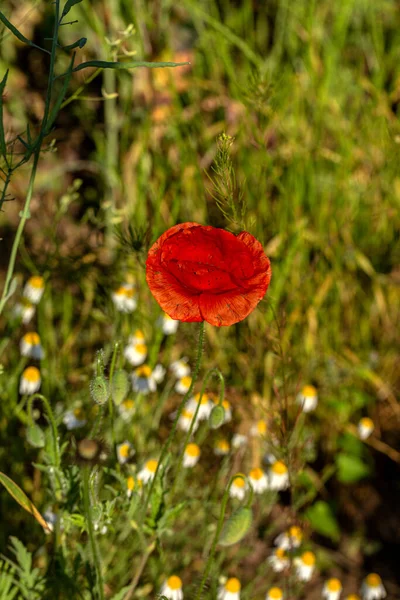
point(178, 303)
point(228, 308)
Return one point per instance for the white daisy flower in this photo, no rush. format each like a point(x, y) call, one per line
point(259, 429)
point(305, 565)
point(30, 346)
point(124, 298)
point(34, 289)
point(239, 487)
point(205, 407)
point(238, 440)
point(30, 381)
point(159, 373)
point(168, 325)
point(308, 398)
point(258, 480)
point(230, 590)
point(185, 420)
point(183, 385)
point(126, 409)
point(278, 560)
point(143, 380)
point(278, 476)
point(332, 589)
point(372, 588)
point(137, 337)
point(180, 368)
point(124, 452)
point(148, 471)
point(172, 588)
point(133, 485)
point(25, 310)
point(135, 354)
point(73, 419)
point(365, 427)
point(289, 539)
point(191, 455)
point(221, 447)
point(274, 593)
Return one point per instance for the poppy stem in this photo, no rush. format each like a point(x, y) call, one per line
point(169, 439)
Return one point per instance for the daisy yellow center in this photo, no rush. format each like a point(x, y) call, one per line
point(143, 371)
point(279, 468)
point(353, 597)
point(280, 553)
point(139, 334)
point(186, 381)
point(223, 445)
point(275, 593)
point(121, 291)
point(334, 585)
point(130, 483)
point(262, 427)
point(151, 465)
point(309, 391)
point(226, 404)
point(256, 474)
point(174, 582)
point(204, 399)
point(308, 559)
point(187, 414)
point(141, 348)
point(32, 338)
point(128, 404)
point(31, 374)
point(373, 580)
point(295, 532)
point(367, 423)
point(130, 292)
point(239, 481)
point(232, 585)
point(78, 413)
point(36, 282)
point(192, 450)
point(124, 450)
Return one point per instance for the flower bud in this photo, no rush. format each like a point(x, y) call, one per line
point(119, 386)
point(217, 417)
point(35, 436)
point(99, 389)
point(236, 527)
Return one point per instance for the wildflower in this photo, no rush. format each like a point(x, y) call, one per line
point(185, 420)
point(131, 485)
point(332, 589)
point(191, 455)
point(73, 419)
point(172, 588)
point(145, 380)
point(353, 597)
point(308, 398)
point(25, 310)
point(180, 368)
point(30, 381)
point(124, 452)
point(183, 385)
point(305, 565)
point(135, 354)
point(30, 346)
point(289, 539)
point(227, 408)
point(365, 427)
point(34, 289)
point(148, 471)
point(278, 476)
point(126, 408)
point(168, 324)
point(137, 337)
point(278, 560)
point(221, 447)
point(259, 429)
point(238, 487)
point(238, 440)
point(230, 590)
point(258, 480)
point(274, 593)
point(372, 587)
point(201, 273)
point(124, 298)
point(205, 407)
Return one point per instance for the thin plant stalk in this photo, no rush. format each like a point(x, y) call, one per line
point(110, 398)
point(89, 521)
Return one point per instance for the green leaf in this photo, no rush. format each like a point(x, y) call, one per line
point(351, 468)
point(68, 5)
point(322, 520)
point(61, 96)
point(35, 436)
point(78, 44)
point(121, 594)
point(104, 64)
point(2, 135)
point(18, 34)
point(20, 497)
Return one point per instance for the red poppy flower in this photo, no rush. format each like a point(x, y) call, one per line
point(201, 273)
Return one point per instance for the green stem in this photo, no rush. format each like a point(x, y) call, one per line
point(110, 398)
point(52, 421)
point(88, 514)
point(168, 442)
point(111, 128)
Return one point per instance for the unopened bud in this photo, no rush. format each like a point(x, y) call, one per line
point(119, 386)
point(217, 417)
point(236, 527)
point(99, 389)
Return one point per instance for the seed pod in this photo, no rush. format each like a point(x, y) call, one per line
point(99, 389)
point(119, 386)
point(217, 417)
point(236, 527)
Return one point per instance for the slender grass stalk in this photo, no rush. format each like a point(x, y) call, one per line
point(110, 398)
point(89, 521)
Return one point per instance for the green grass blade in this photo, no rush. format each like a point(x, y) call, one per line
point(2, 135)
point(19, 35)
point(23, 500)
